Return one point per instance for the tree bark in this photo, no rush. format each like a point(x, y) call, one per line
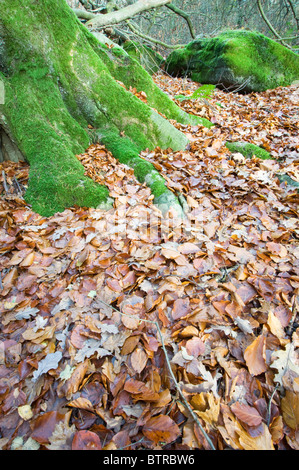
point(125, 13)
point(63, 91)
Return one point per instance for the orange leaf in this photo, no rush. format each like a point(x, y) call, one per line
point(255, 355)
point(140, 391)
point(290, 409)
point(138, 359)
point(161, 429)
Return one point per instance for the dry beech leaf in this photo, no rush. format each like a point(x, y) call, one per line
point(247, 414)
point(140, 391)
point(161, 429)
point(71, 385)
point(138, 359)
point(276, 327)
point(195, 346)
point(44, 426)
point(86, 440)
point(207, 407)
point(130, 344)
point(255, 355)
point(290, 409)
point(181, 308)
point(262, 442)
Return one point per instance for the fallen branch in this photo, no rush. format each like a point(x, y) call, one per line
point(178, 388)
point(125, 13)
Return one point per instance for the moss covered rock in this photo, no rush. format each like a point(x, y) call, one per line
point(148, 58)
point(60, 82)
point(243, 60)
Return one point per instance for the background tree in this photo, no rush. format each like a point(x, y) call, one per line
point(179, 20)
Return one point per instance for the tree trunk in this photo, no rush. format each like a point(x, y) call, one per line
point(62, 92)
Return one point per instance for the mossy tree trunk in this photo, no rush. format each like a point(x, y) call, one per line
point(59, 82)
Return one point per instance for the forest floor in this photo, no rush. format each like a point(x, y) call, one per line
point(96, 307)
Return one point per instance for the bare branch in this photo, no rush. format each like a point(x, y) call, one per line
point(152, 40)
point(184, 15)
point(270, 25)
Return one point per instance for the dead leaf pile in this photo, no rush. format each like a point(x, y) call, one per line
point(82, 365)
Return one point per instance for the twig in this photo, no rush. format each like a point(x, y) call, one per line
point(294, 315)
point(17, 185)
point(150, 39)
point(194, 416)
point(270, 403)
point(4, 182)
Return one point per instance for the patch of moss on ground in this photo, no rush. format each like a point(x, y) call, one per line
point(236, 59)
point(248, 150)
point(283, 178)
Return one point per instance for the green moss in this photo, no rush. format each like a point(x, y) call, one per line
point(244, 59)
point(49, 137)
point(126, 69)
point(284, 178)
point(141, 169)
point(248, 150)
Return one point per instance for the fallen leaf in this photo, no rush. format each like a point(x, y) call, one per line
point(50, 362)
point(255, 356)
point(290, 409)
point(138, 360)
point(247, 414)
point(86, 440)
point(161, 429)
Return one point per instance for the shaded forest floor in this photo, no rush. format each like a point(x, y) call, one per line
point(81, 368)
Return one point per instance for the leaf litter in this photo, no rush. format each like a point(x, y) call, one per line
point(96, 306)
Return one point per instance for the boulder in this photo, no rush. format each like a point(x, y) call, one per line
point(243, 60)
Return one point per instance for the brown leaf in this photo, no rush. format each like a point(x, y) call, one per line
point(195, 346)
point(247, 414)
point(72, 385)
point(86, 440)
point(161, 429)
point(44, 426)
point(140, 391)
point(181, 308)
point(130, 344)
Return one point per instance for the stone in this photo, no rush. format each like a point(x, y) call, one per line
point(236, 60)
